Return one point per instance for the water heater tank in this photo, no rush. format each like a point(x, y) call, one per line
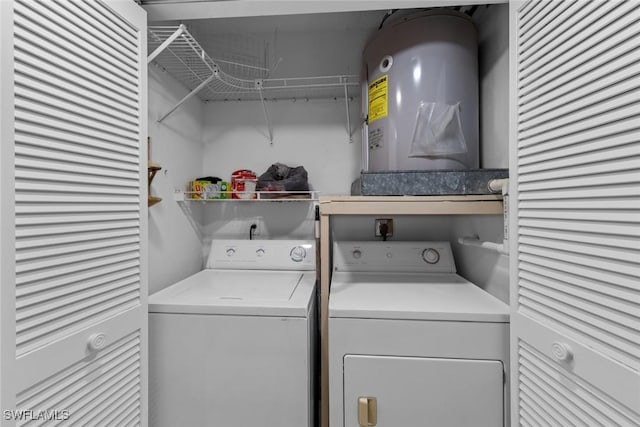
point(421, 94)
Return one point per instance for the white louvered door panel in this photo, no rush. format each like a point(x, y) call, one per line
point(576, 219)
point(80, 210)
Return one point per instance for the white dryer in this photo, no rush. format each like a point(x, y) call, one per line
point(233, 345)
point(411, 343)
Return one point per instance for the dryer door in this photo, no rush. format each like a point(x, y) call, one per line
point(413, 391)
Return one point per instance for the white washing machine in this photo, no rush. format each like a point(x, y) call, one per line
point(411, 343)
point(233, 345)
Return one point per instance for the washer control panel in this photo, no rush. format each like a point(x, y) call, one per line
point(262, 254)
point(425, 257)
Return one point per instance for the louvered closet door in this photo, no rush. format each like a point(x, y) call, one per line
point(576, 214)
point(80, 213)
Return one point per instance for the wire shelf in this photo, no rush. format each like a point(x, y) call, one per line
point(227, 78)
point(230, 78)
point(325, 87)
point(253, 196)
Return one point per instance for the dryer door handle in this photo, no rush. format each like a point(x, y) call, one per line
point(367, 411)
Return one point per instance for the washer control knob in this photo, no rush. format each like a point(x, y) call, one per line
point(357, 253)
point(230, 252)
point(298, 254)
point(260, 253)
point(431, 256)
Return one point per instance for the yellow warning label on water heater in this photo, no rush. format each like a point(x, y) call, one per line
point(378, 96)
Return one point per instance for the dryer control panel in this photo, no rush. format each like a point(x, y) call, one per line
point(408, 257)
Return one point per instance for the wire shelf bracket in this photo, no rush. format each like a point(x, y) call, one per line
point(177, 33)
point(194, 49)
point(346, 103)
point(264, 111)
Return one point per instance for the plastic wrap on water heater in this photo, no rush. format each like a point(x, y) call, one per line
point(422, 94)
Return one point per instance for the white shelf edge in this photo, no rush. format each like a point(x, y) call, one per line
point(261, 196)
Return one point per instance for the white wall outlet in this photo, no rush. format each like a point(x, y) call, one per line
point(380, 224)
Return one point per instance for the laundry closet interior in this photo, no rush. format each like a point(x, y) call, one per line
point(312, 125)
point(319, 125)
point(398, 287)
point(308, 125)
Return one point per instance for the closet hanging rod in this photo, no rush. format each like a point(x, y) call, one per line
point(501, 248)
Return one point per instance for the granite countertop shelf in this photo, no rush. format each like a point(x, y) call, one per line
point(429, 183)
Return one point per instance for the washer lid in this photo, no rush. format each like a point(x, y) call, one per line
point(408, 296)
point(236, 292)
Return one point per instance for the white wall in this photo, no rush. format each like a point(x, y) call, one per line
point(493, 53)
point(275, 220)
point(176, 144)
point(311, 134)
point(405, 227)
point(488, 269)
point(291, 46)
